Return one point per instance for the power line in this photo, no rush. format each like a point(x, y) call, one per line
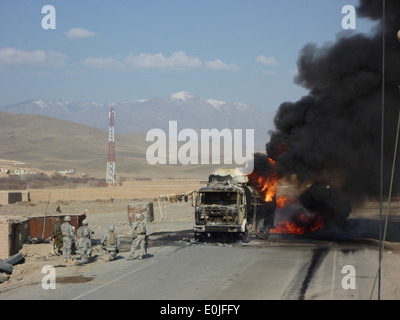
point(382, 140)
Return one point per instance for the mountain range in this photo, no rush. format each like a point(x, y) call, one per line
point(189, 110)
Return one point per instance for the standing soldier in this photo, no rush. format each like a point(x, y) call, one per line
point(84, 243)
point(68, 238)
point(57, 236)
point(110, 244)
point(139, 236)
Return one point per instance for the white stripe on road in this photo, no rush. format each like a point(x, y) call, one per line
point(106, 284)
point(333, 274)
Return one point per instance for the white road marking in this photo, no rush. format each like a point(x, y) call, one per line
point(116, 279)
point(333, 274)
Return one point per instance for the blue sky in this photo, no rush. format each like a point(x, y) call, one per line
point(113, 51)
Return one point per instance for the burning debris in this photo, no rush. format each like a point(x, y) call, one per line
point(300, 223)
point(291, 217)
point(329, 141)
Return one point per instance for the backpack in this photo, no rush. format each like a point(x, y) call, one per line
point(112, 239)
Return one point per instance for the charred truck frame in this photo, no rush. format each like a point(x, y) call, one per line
point(231, 205)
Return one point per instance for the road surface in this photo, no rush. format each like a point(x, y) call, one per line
point(282, 268)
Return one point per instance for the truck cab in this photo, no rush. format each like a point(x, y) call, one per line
point(229, 205)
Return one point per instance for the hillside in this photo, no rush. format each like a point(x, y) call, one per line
point(53, 144)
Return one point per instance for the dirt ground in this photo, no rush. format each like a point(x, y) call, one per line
point(129, 190)
point(100, 211)
point(171, 218)
point(100, 214)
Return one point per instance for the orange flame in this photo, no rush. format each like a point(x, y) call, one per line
point(300, 225)
point(267, 186)
point(281, 202)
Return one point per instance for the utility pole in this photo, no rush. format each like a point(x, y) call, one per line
point(110, 174)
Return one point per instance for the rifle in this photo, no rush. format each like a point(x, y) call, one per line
point(53, 240)
point(54, 236)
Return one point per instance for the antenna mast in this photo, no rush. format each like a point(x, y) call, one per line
point(110, 174)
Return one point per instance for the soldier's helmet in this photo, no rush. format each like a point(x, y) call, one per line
point(111, 228)
point(85, 222)
point(67, 218)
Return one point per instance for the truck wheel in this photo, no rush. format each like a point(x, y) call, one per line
point(246, 236)
point(267, 232)
point(199, 237)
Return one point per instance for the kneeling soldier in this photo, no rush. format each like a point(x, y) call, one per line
point(110, 242)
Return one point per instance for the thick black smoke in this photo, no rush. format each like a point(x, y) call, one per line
point(263, 166)
point(331, 138)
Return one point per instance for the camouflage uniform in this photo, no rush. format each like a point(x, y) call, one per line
point(84, 243)
point(68, 238)
point(57, 235)
point(110, 242)
point(139, 236)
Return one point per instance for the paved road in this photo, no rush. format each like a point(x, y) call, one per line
point(276, 269)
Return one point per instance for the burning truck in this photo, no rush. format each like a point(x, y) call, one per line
point(247, 205)
point(232, 204)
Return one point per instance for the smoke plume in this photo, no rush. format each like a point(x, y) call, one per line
point(331, 138)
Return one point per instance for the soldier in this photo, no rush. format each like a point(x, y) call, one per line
point(68, 238)
point(57, 236)
point(110, 242)
point(84, 243)
point(139, 236)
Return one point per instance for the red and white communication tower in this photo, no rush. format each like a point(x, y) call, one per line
point(110, 174)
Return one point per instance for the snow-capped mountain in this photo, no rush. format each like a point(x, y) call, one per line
point(189, 110)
